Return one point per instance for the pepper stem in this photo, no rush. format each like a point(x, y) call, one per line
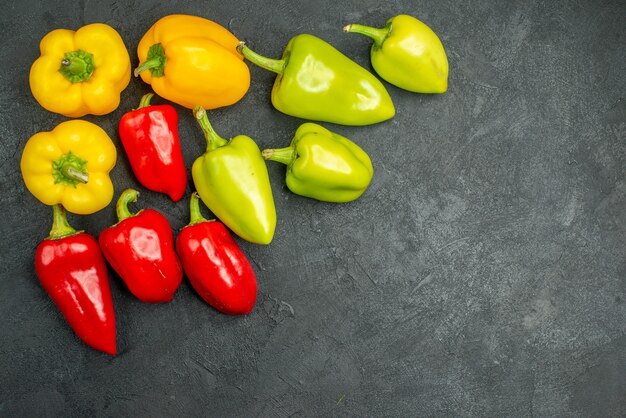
point(194, 210)
point(73, 173)
point(60, 227)
point(145, 100)
point(270, 64)
point(155, 62)
point(77, 66)
point(213, 140)
point(282, 155)
point(121, 207)
point(378, 35)
point(70, 169)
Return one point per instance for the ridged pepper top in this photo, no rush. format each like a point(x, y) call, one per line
point(81, 72)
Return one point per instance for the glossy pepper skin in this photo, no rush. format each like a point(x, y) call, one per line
point(70, 165)
point(408, 54)
point(232, 180)
point(193, 61)
point(215, 265)
point(324, 165)
point(71, 269)
point(81, 72)
point(315, 81)
point(149, 135)
point(141, 250)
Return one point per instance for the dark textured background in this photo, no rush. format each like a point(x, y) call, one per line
point(482, 273)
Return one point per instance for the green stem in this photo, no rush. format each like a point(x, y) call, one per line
point(155, 62)
point(145, 100)
point(378, 35)
point(73, 174)
point(194, 210)
point(270, 64)
point(147, 65)
point(121, 207)
point(60, 227)
point(74, 66)
point(213, 140)
point(77, 66)
point(282, 155)
point(70, 169)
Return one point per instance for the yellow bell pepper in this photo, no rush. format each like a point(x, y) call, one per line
point(70, 165)
point(193, 61)
point(81, 72)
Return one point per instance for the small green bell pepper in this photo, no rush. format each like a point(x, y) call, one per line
point(324, 165)
point(315, 81)
point(232, 180)
point(408, 54)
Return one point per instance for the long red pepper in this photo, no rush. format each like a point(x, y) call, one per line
point(149, 135)
point(215, 265)
point(140, 247)
point(71, 269)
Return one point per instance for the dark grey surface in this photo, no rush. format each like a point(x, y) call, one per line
point(482, 274)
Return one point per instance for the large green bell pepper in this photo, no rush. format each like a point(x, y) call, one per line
point(232, 180)
point(408, 54)
point(324, 165)
point(315, 81)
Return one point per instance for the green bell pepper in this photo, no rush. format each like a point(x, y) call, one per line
point(232, 180)
point(315, 81)
point(324, 165)
point(408, 54)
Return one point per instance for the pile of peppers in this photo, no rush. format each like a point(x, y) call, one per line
point(200, 65)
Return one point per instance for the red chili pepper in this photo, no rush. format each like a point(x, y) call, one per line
point(140, 248)
point(215, 265)
point(71, 269)
point(150, 138)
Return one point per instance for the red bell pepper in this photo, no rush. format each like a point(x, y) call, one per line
point(140, 247)
point(149, 135)
point(71, 269)
point(215, 265)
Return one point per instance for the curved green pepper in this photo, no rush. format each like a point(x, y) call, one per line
point(408, 54)
point(232, 180)
point(324, 165)
point(317, 82)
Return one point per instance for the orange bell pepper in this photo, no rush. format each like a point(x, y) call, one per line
point(193, 61)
